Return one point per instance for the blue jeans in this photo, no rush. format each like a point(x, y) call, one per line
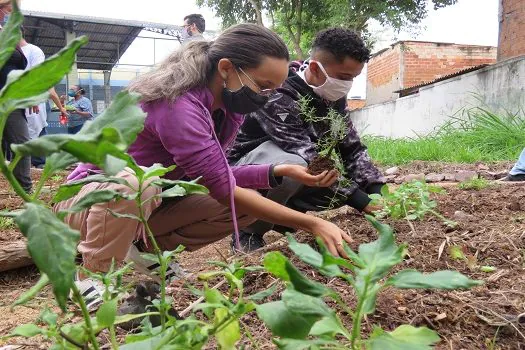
point(519, 167)
point(74, 129)
point(39, 161)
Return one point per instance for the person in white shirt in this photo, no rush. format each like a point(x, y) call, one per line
point(37, 115)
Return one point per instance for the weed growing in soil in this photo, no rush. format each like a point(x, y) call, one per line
point(410, 201)
point(7, 223)
point(303, 320)
point(476, 184)
point(338, 129)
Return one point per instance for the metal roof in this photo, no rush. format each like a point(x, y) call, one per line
point(415, 89)
point(108, 38)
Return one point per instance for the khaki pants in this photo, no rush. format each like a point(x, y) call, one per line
point(193, 221)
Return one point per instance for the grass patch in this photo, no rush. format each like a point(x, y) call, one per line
point(476, 135)
point(474, 184)
point(6, 223)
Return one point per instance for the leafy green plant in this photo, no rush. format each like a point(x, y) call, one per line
point(476, 184)
point(303, 320)
point(6, 223)
point(410, 201)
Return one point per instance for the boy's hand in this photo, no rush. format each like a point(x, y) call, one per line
point(300, 174)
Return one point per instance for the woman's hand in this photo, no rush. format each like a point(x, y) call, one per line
point(332, 236)
point(300, 174)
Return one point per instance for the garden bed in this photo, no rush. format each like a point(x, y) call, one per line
point(491, 232)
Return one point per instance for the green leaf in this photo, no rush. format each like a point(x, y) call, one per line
point(263, 294)
point(107, 313)
point(181, 188)
point(91, 198)
point(56, 162)
point(157, 170)
point(487, 268)
point(330, 327)
point(437, 280)
point(229, 335)
point(278, 265)
point(296, 344)
point(10, 35)
point(52, 245)
point(123, 215)
point(70, 189)
point(175, 191)
point(283, 322)
point(375, 196)
point(381, 255)
point(456, 253)
point(305, 305)
point(404, 337)
point(274, 263)
point(324, 265)
point(27, 330)
point(44, 76)
point(31, 293)
point(49, 317)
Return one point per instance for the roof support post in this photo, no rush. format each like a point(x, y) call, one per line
point(72, 77)
point(107, 87)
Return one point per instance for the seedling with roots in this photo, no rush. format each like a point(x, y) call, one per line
point(303, 320)
point(338, 130)
point(410, 201)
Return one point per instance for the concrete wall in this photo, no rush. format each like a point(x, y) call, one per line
point(511, 29)
point(499, 87)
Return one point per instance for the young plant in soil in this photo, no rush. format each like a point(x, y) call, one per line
point(338, 130)
point(410, 201)
point(303, 320)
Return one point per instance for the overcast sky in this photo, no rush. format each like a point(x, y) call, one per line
point(467, 22)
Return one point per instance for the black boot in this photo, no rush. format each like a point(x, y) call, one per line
point(249, 242)
point(514, 178)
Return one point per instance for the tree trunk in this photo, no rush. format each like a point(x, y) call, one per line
point(258, 12)
point(14, 255)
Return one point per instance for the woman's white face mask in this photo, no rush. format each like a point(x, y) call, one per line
point(332, 89)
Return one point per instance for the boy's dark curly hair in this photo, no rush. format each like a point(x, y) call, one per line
point(342, 43)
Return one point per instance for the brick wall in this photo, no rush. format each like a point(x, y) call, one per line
point(383, 75)
point(410, 63)
point(511, 29)
point(424, 62)
point(355, 104)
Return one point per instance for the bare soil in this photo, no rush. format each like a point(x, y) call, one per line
point(320, 164)
point(491, 233)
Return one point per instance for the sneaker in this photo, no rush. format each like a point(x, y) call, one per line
point(249, 242)
point(150, 268)
point(92, 292)
point(514, 178)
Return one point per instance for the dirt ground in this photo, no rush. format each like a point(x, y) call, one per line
point(491, 232)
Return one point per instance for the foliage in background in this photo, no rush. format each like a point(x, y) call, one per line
point(303, 320)
point(475, 135)
point(474, 184)
point(410, 201)
point(297, 21)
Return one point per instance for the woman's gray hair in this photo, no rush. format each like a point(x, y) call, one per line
point(194, 63)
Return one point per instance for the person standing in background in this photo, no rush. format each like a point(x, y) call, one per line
point(83, 109)
point(37, 115)
point(15, 131)
point(193, 27)
point(517, 173)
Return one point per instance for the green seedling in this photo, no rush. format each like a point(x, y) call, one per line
point(7, 223)
point(316, 325)
point(476, 184)
point(410, 201)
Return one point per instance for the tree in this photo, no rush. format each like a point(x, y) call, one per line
point(236, 11)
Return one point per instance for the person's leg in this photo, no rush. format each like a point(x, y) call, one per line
point(39, 162)
point(74, 129)
point(269, 153)
point(193, 221)
point(519, 167)
point(16, 132)
point(102, 235)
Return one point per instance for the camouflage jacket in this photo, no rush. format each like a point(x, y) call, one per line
point(281, 122)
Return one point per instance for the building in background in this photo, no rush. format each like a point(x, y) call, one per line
point(410, 63)
point(511, 29)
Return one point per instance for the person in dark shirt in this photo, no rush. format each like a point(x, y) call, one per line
point(279, 133)
point(16, 130)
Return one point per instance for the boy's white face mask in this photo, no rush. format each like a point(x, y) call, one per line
point(332, 89)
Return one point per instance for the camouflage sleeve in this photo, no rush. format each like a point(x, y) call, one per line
point(282, 122)
point(357, 162)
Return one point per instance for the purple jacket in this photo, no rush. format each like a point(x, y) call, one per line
point(183, 133)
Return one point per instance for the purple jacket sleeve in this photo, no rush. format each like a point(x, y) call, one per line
point(185, 130)
point(252, 176)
